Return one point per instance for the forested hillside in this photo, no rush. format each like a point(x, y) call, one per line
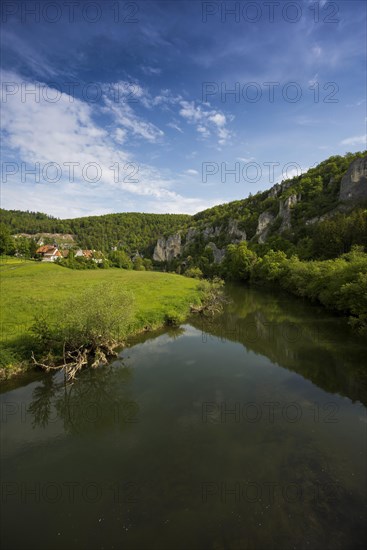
point(130, 231)
point(303, 215)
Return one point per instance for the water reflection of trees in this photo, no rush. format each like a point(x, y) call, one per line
point(42, 401)
point(296, 335)
point(99, 399)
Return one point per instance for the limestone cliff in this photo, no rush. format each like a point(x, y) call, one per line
point(263, 225)
point(236, 235)
point(218, 253)
point(167, 249)
point(353, 186)
point(285, 212)
point(171, 247)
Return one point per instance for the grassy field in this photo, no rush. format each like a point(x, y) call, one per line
point(31, 289)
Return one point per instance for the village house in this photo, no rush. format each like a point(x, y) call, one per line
point(88, 254)
point(49, 253)
point(94, 255)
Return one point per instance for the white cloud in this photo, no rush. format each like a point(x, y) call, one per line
point(203, 131)
point(121, 96)
point(313, 80)
point(190, 112)
point(304, 120)
point(120, 135)
point(317, 51)
point(35, 58)
point(218, 119)
point(245, 159)
point(355, 140)
point(206, 121)
point(66, 132)
point(118, 100)
point(151, 70)
point(357, 103)
point(192, 172)
point(175, 127)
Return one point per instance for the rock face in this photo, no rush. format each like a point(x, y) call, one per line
point(236, 234)
point(353, 186)
point(209, 232)
point(191, 234)
point(159, 254)
point(218, 253)
point(275, 190)
point(326, 216)
point(285, 212)
point(167, 249)
point(263, 225)
point(173, 246)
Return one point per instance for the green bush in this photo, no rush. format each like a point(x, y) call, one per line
point(194, 273)
point(173, 318)
point(97, 317)
point(239, 261)
point(8, 357)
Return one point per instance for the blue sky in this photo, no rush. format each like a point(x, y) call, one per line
point(126, 106)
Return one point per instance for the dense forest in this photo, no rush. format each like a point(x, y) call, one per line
point(130, 232)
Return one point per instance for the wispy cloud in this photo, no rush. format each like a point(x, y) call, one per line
point(125, 117)
point(192, 172)
point(33, 58)
point(175, 127)
point(68, 132)
point(206, 121)
point(317, 51)
point(151, 70)
point(245, 159)
point(355, 141)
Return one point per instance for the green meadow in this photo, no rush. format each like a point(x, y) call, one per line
point(31, 290)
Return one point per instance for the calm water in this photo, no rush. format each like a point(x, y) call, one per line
point(245, 433)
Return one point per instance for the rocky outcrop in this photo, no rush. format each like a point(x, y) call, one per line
point(207, 233)
point(237, 235)
point(275, 190)
point(353, 186)
point(218, 253)
point(285, 212)
point(327, 216)
point(211, 231)
point(263, 225)
point(191, 235)
point(159, 254)
point(167, 249)
point(173, 246)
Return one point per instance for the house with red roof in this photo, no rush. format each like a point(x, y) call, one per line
point(49, 253)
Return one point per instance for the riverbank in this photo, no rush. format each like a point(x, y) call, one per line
point(32, 292)
point(339, 284)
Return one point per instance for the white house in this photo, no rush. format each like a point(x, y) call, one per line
point(49, 253)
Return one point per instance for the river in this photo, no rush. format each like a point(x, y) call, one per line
point(246, 432)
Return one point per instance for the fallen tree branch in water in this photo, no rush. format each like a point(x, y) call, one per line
point(213, 298)
point(74, 361)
